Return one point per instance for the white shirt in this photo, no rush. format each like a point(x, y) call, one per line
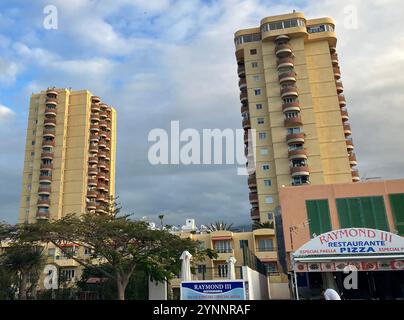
point(331, 294)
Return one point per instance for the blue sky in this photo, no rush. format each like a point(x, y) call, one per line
point(164, 60)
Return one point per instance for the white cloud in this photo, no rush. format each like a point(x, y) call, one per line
point(8, 71)
point(5, 113)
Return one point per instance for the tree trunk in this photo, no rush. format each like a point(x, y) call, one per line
point(121, 283)
point(22, 292)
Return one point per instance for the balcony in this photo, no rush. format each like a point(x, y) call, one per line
point(254, 213)
point(43, 202)
point(300, 171)
point(334, 59)
point(352, 159)
point(297, 154)
point(49, 133)
point(92, 194)
point(49, 122)
point(107, 136)
point(51, 93)
point(253, 197)
point(44, 190)
point(91, 205)
point(45, 179)
point(243, 96)
point(95, 117)
point(94, 137)
point(101, 186)
point(349, 145)
point(51, 101)
point(103, 134)
point(289, 92)
point(92, 171)
point(94, 127)
point(93, 160)
point(266, 254)
point(93, 148)
point(342, 101)
point(50, 112)
point(47, 166)
point(102, 164)
point(100, 198)
point(246, 137)
point(102, 154)
point(95, 99)
point(246, 124)
point(333, 50)
point(48, 143)
point(252, 181)
point(244, 109)
point(100, 208)
point(344, 115)
point(242, 83)
point(337, 73)
point(103, 124)
point(47, 155)
point(241, 71)
point(40, 215)
point(285, 62)
point(347, 129)
point(92, 182)
point(295, 138)
point(95, 108)
point(102, 144)
point(293, 122)
point(355, 175)
point(283, 50)
point(287, 76)
point(101, 176)
point(340, 87)
point(291, 106)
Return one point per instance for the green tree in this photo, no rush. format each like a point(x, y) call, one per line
point(122, 244)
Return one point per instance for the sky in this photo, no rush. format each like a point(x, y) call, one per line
point(164, 60)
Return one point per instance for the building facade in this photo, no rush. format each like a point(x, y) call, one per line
point(292, 96)
point(69, 164)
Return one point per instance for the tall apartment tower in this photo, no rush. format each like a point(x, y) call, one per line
point(69, 162)
point(292, 95)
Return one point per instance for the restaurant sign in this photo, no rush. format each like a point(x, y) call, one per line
point(352, 241)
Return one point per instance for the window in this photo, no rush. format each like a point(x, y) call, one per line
point(267, 183)
point(256, 78)
point(243, 244)
point(67, 274)
point(254, 64)
point(29, 187)
point(269, 200)
point(222, 270)
point(33, 132)
point(253, 51)
point(270, 215)
point(260, 120)
point(264, 151)
point(291, 114)
point(265, 245)
point(293, 130)
point(223, 246)
point(262, 135)
point(257, 92)
point(271, 267)
point(259, 106)
point(201, 268)
point(297, 146)
point(87, 252)
point(51, 252)
point(28, 198)
point(33, 142)
point(300, 180)
point(32, 153)
point(265, 167)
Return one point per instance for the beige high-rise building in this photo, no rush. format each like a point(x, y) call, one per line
point(292, 95)
point(69, 162)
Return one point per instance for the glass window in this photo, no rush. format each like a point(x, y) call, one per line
point(269, 200)
point(201, 268)
point(222, 270)
point(259, 106)
point(254, 64)
point(287, 24)
point(223, 246)
point(267, 183)
point(265, 245)
point(33, 142)
point(260, 120)
point(264, 151)
point(253, 51)
point(256, 78)
point(265, 167)
point(243, 244)
point(270, 215)
point(51, 252)
point(293, 130)
point(262, 135)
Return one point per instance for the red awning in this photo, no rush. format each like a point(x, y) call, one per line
point(94, 280)
point(222, 238)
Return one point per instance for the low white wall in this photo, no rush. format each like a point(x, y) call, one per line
point(257, 284)
point(157, 291)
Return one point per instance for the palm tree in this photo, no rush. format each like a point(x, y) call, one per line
point(263, 225)
point(161, 217)
point(25, 261)
point(220, 226)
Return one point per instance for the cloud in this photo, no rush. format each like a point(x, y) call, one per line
point(5, 113)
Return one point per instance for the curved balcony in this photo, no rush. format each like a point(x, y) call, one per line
point(47, 155)
point(108, 128)
point(243, 96)
point(300, 171)
point(347, 129)
point(92, 182)
point(103, 134)
point(95, 108)
point(289, 92)
point(107, 136)
point(287, 76)
point(246, 124)
point(101, 186)
point(101, 176)
point(252, 181)
point(282, 38)
point(246, 137)
point(92, 171)
point(44, 190)
point(285, 62)
point(48, 166)
point(242, 83)
point(108, 146)
point(352, 159)
point(297, 154)
point(51, 93)
point(342, 101)
point(103, 124)
point(107, 156)
point(337, 73)
point(293, 122)
point(255, 213)
point(91, 205)
point(93, 160)
point(253, 197)
point(241, 71)
point(295, 138)
point(340, 87)
point(103, 106)
point(283, 50)
point(49, 122)
point(102, 164)
point(349, 145)
point(43, 202)
point(50, 112)
point(102, 154)
point(49, 133)
point(103, 115)
point(100, 198)
point(48, 143)
point(94, 137)
point(95, 99)
point(102, 144)
point(51, 101)
point(100, 208)
point(42, 215)
point(47, 179)
point(291, 106)
point(355, 175)
point(95, 117)
point(333, 50)
point(244, 109)
point(92, 194)
point(94, 127)
point(344, 115)
point(334, 59)
point(93, 148)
